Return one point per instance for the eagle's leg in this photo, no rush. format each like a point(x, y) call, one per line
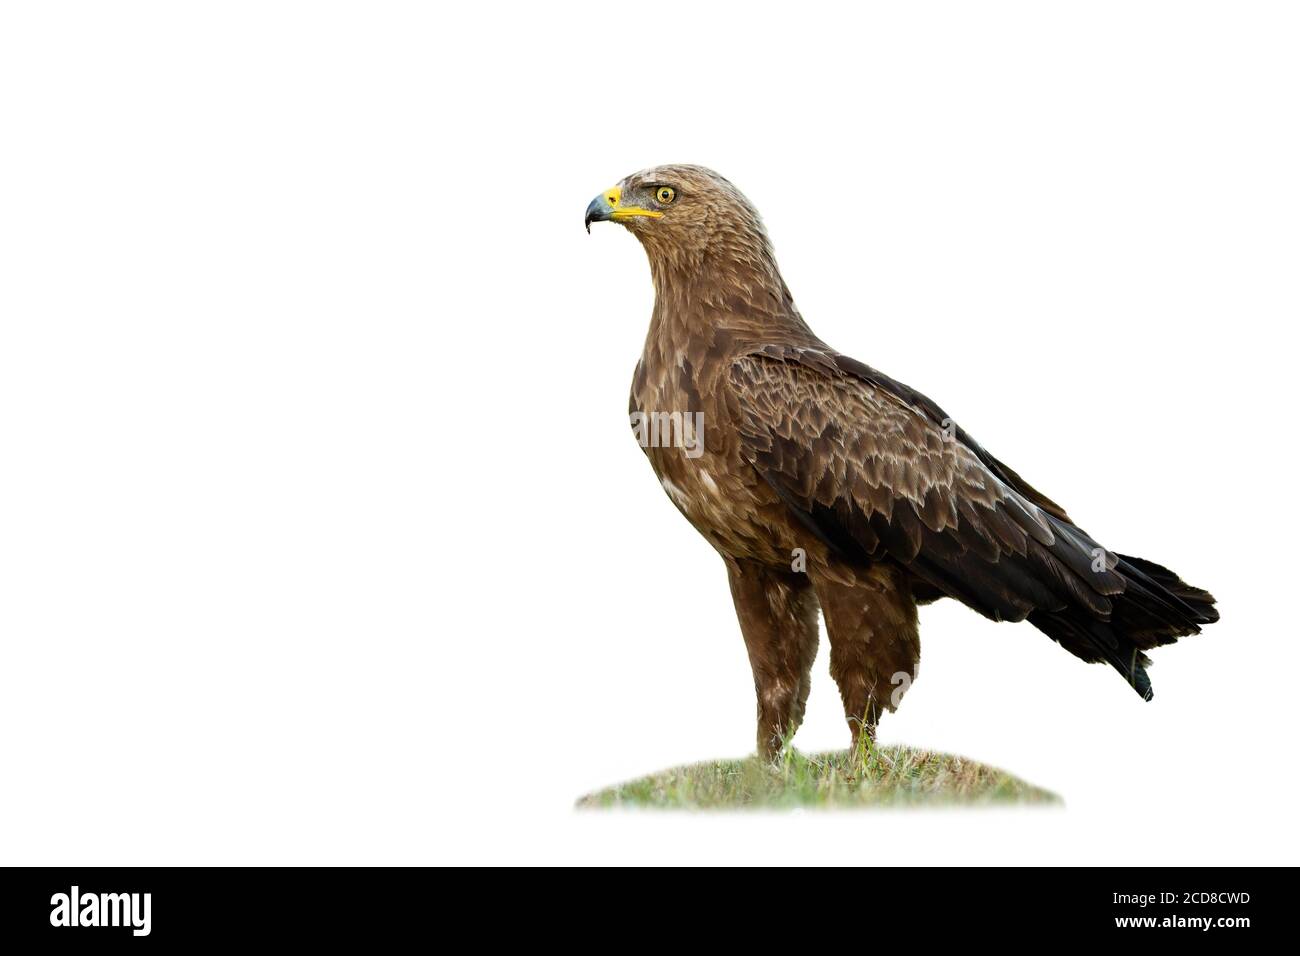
point(875, 643)
point(778, 617)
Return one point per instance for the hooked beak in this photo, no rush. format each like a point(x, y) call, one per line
point(599, 210)
point(608, 207)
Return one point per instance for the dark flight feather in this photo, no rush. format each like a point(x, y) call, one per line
point(919, 491)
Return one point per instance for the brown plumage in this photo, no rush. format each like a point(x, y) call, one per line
point(826, 484)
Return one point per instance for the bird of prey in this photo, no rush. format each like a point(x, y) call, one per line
point(825, 484)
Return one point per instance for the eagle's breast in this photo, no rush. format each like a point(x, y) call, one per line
point(679, 420)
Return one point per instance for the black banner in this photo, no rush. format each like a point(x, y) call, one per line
point(201, 905)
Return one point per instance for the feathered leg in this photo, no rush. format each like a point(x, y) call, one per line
point(875, 644)
point(778, 617)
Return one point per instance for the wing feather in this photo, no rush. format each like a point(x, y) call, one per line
point(876, 473)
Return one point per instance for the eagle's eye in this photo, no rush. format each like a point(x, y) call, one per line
point(665, 195)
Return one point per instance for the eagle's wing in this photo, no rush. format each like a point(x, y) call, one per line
point(877, 471)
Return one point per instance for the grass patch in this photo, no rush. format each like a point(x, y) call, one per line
point(872, 777)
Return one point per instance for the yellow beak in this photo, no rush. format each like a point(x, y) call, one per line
point(608, 207)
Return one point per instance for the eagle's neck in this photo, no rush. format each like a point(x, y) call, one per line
point(731, 288)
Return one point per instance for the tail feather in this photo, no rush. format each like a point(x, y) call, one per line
point(1155, 608)
point(1200, 603)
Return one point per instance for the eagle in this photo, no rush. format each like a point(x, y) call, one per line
point(827, 486)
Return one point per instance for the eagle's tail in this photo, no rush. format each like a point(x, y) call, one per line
point(1157, 607)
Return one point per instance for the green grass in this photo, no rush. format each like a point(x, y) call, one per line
point(873, 777)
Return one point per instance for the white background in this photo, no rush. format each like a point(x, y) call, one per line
point(323, 538)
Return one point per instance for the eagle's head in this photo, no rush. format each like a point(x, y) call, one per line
point(679, 213)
